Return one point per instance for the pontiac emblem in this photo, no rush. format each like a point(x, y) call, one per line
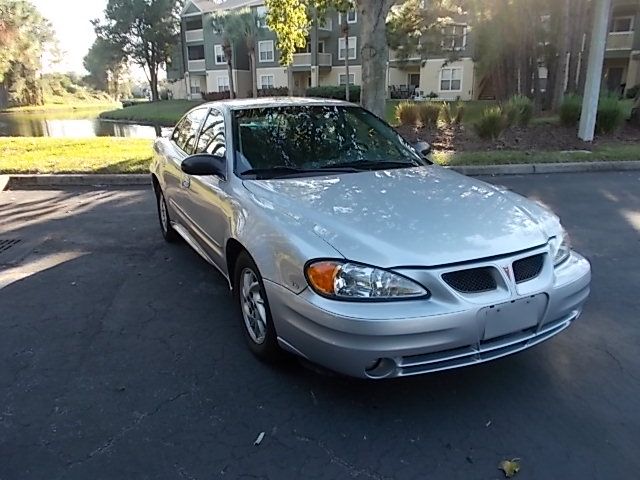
point(507, 272)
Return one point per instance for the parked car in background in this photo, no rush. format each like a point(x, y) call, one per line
point(344, 245)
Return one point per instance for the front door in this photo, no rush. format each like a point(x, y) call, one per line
point(614, 79)
point(206, 200)
point(414, 80)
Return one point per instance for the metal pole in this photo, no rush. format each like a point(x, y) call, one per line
point(594, 70)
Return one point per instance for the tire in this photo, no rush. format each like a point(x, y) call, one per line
point(168, 233)
point(255, 314)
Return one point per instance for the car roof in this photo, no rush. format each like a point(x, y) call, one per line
point(264, 102)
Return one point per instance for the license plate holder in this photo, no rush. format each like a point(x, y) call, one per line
point(513, 316)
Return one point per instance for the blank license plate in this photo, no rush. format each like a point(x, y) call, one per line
point(513, 316)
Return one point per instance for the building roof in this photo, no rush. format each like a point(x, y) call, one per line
point(209, 6)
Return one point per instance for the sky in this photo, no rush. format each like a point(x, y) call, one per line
point(71, 21)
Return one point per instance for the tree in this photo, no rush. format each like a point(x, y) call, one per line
point(25, 36)
point(145, 31)
point(226, 26)
point(290, 20)
point(247, 27)
point(107, 68)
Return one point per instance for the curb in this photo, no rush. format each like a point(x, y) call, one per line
point(16, 182)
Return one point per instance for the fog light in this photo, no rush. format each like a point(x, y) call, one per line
point(381, 368)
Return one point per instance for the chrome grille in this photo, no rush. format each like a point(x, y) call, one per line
point(528, 268)
point(473, 280)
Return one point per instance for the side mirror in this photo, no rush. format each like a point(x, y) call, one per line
point(423, 148)
point(204, 164)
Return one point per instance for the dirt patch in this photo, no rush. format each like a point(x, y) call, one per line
point(540, 137)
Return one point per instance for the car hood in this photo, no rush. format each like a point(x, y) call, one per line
point(415, 216)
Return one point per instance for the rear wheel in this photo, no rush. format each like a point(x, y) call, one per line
point(254, 308)
point(169, 234)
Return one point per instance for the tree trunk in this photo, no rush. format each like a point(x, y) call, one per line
point(232, 88)
point(374, 53)
point(153, 82)
point(578, 27)
point(254, 75)
point(564, 43)
point(345, 32)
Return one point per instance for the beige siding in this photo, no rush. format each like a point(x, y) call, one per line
point(633, 71)
point(333, 76)
point(280, 78)
point(430, 78)
point(400, 76)
point(178, 89)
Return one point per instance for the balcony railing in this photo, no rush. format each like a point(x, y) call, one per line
point(301, 59)
point(620, 41)
point(197, 65)
point(393, 56)
point(194, 35)
point(304, 59)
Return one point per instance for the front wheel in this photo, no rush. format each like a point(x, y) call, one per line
point(254, 307)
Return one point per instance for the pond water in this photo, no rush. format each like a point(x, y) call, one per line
point(71, 125)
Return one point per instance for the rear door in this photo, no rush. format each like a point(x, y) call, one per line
point(181, 146)
point(207, 203)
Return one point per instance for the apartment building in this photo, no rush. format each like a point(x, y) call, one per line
point(621, 69)
point(199, 64)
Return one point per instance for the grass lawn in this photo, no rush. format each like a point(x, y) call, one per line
point(601, 153)
point(165, 113)
point(61, 155)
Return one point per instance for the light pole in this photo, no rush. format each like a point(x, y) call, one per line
point(594, 70)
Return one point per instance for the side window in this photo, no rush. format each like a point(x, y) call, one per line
point(185, 133)
point(212, 138)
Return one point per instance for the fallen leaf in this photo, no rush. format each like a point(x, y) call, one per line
point(259, 439)
point(510, 467)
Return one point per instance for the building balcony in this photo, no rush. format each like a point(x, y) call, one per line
point(304, 60)
point(194, 35)
point(620, 41)
point(197, 65)
point(396, 60)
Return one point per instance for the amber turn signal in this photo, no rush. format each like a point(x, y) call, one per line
point(322, 275)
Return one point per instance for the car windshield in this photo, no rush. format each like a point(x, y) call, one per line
point(303, 140)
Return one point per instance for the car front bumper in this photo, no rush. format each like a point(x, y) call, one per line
point(448, 330)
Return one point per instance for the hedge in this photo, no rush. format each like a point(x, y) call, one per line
point(337, 92)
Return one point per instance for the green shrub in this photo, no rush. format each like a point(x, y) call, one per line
point(610, 114)
point(446, 114)
point(491, 123)
point(429, 113)
point(519, 110)
point(407, 113)
point(633, 91)
point(273, 92)
point(570, 110)
point(337, 92)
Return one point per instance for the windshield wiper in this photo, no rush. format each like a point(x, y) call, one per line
point(373, 164)
point(281, 171)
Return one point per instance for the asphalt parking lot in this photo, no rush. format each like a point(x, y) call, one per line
point(122, 357)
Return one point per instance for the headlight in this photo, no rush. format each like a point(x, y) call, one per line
point(351, 281)
point(560, 248)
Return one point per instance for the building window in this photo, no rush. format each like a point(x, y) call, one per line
point(454, 37)
point(621, 25)
point(261, 13)
point(265, 50)
point(195, 86)
point(321, 46)
point(352, 48)
point(219, 54)
point(194, 24)
point(223, 83)
point(451, 79)
point(196, 52)
point(342, 79)
point(266, 81)
point(352, 17)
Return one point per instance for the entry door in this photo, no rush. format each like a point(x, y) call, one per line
point(614, 79)
point(414, 80)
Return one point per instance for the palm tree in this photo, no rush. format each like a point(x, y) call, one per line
point(250, 30)
point(226, 25)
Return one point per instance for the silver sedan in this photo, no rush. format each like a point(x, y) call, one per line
point(344, 245)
